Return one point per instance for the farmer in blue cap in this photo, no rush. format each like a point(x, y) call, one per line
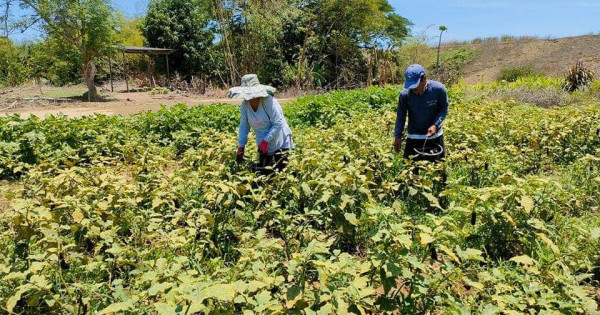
point(426, 103)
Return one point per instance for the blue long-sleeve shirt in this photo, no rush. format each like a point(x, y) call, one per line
point(268, 124)
point(429, 108)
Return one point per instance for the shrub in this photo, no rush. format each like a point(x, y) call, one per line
point(12, 70)
point(452, 64)
point(578, 77)
point(514, 73)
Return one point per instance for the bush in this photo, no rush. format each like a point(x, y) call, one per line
point(12, 69)
point(578, 77)
point(514, 73)
point(452, 63)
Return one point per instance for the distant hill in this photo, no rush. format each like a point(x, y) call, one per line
point(549, 56)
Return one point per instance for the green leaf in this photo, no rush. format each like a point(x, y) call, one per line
point(491, 309)
point(293, 295)
point(523, 259)
point(477, 285)
point(351, 218)
point(117, 308)
point(527, 204)
point(425, 239)
point(549, 242)
point(13, 300)
point(345, 200)
point(432, 200)
point(306, 189)
point(470, 254)
point(165, 309)
point(595, 234)
point(221, 292)
point(160, 288)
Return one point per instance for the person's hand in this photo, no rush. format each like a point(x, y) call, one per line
point(240, 154)
point(264, 147)
point(432, 130)
point(397, 144)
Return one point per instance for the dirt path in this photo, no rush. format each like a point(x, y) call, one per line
point(118, 103)
point(124, 109)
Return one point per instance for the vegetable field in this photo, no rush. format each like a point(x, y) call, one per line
point(152, 215)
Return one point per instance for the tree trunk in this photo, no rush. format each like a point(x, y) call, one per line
point(89, 74)
point(438, 53)
point(6, 19)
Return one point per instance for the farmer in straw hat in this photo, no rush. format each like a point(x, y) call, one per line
point(426, 103)
point(261, 111)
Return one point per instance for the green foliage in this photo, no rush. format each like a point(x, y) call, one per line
point(320, 44)
point(151, 214)
point(12, 69)
point(514, 73)
point(181, 25)
point(54, 61)
point(129, 31)
point(86, 26)
point(452, 64)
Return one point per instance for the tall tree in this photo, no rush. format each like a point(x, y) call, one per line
point(181, 25)
point(88, 25)
point(442, 30)
point(7, 25)
point(340, 30)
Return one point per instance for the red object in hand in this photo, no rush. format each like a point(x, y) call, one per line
point(264, 147)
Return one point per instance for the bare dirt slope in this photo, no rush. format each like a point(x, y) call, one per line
point(549, 56)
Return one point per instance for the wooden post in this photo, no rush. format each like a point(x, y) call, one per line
point(112, 89)
point(125, 69)
point(168, 75)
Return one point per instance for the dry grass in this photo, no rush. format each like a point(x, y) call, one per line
point(547, 97)
point(551, 57)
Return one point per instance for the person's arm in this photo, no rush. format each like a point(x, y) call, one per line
point(275, 113)
point(400, 122)
point(400, 117)
point(443, 102)
point(244, 128)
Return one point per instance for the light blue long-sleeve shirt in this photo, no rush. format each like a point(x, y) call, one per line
point(268, 124)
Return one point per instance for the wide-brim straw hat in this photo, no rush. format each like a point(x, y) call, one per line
point(250, 88)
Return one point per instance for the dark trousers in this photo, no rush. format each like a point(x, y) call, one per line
point(410, 153)
point(278, 161)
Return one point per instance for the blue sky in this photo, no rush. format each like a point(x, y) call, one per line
point(469, 19)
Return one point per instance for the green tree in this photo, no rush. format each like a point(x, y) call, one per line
point(181, 25)
point(12, 69)
point(87, 25)
point(339, 31)
point(55, 61)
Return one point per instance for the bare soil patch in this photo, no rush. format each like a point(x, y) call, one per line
point(551, 57)
point(27, 100)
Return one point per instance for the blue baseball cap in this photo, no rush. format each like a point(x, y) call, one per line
point(413, 76)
